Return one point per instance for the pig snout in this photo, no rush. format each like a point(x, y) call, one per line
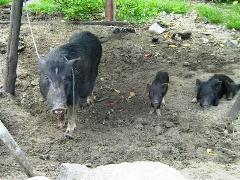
point(57, 100)
point(155, 103)
point(59, 110)
point(204, 104)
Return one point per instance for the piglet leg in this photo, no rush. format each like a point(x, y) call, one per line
point(158, 112)
point(151, 111)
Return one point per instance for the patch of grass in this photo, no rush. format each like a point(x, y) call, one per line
point(143, 10)
point(80, 9)
point(212, 14)
point(138, 10)
point(175, 6)
point(233, 21)
point(4, 2)
point(43, 7)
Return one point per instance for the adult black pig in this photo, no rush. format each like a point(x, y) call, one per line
point(68, 74)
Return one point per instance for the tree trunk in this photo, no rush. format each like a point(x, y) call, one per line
point(12, 54)
point(110, 10)
point(8, 140)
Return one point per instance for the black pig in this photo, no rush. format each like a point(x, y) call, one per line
point(157, 90)
point(208, 92)
point(228, 87)
point(70, 69)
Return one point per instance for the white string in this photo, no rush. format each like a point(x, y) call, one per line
point(73, 90)
point(33, 39)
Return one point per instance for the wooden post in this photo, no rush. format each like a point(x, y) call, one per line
point(8, 140)
point(12, 54)
point(110, 10)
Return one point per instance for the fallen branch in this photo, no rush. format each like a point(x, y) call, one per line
point(103, 23)
point(8, 140)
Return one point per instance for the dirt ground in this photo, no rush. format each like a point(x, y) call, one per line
point(203, 144)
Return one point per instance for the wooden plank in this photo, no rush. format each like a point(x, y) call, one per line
point(110, 10)
point(20, 157)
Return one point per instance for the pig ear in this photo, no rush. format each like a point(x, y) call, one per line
point(148, 87)
point(41, 63)
point(72, 61)
point(198, 82)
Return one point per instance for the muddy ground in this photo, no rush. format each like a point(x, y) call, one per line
point(203, 144)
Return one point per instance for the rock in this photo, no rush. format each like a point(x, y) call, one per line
point(156, 28)
point(205, 40)
point(231, 43)
point(186, 64)
point(140, 170)
point(182, 35)
point(155, 40)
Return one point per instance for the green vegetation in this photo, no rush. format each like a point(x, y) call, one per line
point(227, 14)
point(143, 10)
point(140, 11)
point(3, 2)
point(43, 7)
point(211, 13)
point(80, 9)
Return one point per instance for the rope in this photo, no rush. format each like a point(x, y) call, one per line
point(33, 39)
point(73, 90)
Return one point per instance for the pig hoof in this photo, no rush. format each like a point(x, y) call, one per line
point(68, 135)
point(61, 125)
point(90, 100)
point(151, 111)
point(194, 100)
point(70, 129)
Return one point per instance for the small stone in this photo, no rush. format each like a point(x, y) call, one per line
point(231, 43)
point(154, 40)
point(205, 40)
point(186, 64)
point(156, 28)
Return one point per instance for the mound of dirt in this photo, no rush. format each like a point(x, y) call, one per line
point(119, 128)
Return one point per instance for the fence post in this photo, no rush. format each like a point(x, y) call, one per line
point(12, 54)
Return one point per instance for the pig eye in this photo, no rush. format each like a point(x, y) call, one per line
point(45, 77)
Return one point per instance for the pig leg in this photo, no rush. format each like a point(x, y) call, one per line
point(163, 102)
point(151, 111)
point(158, 112)
point(90, 99)
point(71, 118)
point(61, 121)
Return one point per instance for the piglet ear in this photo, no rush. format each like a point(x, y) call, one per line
point(198, 82)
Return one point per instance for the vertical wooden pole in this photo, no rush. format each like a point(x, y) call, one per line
point(110, 10)
point(12, 54)
point(8, 140)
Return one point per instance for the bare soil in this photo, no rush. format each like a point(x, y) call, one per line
point(203, 144)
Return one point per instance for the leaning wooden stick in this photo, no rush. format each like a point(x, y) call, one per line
point(8, 140)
